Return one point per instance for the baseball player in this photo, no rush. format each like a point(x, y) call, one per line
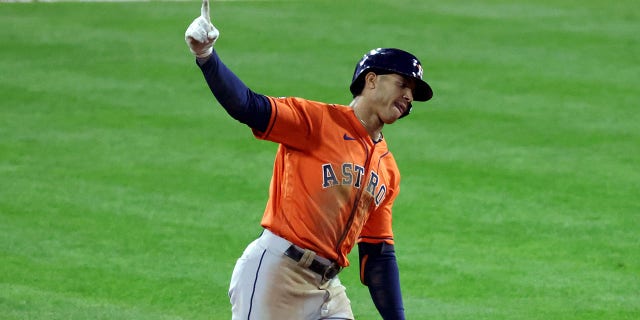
point(333, 185)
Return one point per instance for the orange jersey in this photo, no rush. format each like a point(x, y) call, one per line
point(331, 184)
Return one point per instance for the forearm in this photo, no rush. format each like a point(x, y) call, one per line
point(236, 98)
point(379, 270)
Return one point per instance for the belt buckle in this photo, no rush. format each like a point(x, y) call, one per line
point(330, 272)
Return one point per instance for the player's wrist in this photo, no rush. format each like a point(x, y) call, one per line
point(202, 60)
point(205, 54)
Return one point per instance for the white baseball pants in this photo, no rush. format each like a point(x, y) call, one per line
point(266, 285)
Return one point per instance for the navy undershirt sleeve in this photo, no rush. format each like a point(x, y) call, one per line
point(236, 98)
point(382, 277)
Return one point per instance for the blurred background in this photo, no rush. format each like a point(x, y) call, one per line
point(126, 192)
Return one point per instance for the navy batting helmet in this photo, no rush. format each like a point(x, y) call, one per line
point(389, 60)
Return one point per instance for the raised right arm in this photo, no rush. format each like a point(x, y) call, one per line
point(236, 98)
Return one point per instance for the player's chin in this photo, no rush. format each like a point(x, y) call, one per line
point(392, 117)
point(390, 120)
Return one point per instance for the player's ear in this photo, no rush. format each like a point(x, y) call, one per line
point(370, 80)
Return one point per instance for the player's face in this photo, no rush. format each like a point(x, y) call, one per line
point(395, 94)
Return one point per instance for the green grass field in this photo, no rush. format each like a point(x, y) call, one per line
point(127, 193)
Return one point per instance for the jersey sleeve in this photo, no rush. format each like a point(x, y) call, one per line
point(378, 228)
point(293, 122)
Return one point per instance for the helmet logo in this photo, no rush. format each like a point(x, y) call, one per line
point(419, 67)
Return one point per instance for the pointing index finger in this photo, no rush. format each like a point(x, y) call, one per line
point(205, 10)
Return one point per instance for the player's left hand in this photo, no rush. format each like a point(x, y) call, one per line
point(201, 34)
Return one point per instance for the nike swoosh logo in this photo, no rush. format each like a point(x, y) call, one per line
point(347, 137)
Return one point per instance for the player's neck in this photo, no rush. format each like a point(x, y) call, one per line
point(369, 120)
